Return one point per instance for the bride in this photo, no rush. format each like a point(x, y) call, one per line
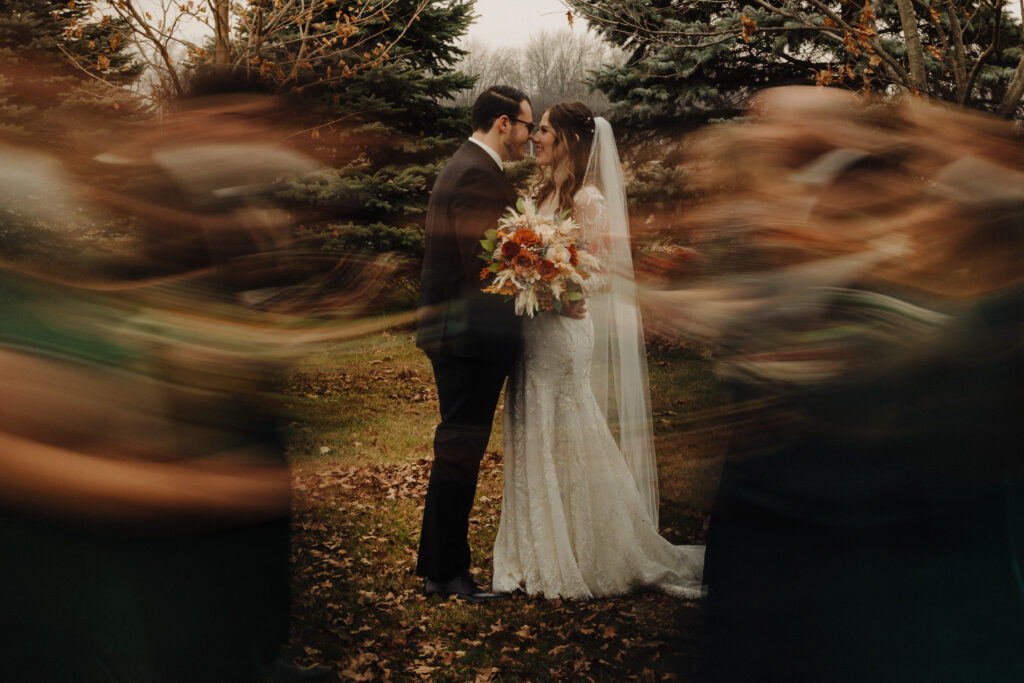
point(580, 510)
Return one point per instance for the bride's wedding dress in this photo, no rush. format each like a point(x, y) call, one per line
point(575, 522)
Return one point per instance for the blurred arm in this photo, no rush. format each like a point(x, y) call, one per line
point(59, 481)
point(93, 443)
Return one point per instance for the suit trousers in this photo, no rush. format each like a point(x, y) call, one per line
point(468, 391)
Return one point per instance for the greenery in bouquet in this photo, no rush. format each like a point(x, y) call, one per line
point(537, 260)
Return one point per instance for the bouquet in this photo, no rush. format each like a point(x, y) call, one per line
point(536, 259)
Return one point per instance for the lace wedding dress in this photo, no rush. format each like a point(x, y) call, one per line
point(575, 522)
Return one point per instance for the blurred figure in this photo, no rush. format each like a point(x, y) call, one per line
point(870, 518)
point(144, 495)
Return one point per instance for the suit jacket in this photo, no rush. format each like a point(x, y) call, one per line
point(455, 317)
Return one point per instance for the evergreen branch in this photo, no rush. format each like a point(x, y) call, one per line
point(325, 124)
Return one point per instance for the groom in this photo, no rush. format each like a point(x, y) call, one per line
point(471, 338)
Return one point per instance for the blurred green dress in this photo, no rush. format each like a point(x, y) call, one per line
point(130, 600)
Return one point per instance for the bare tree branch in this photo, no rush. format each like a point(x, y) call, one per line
point(141, 25)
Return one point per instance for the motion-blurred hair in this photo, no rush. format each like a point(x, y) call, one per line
point(817, 173)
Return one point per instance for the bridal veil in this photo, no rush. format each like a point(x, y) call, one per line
point(619, 370)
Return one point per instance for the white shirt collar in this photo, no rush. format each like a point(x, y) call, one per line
point(494, 155)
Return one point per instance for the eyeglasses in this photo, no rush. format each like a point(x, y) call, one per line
point(529, 125)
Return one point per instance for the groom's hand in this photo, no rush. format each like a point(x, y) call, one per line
point(575, 309)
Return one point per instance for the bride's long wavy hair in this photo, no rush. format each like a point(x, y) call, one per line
point(573, 126)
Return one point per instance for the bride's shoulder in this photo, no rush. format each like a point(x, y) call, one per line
point(587, 194)
point(590, 208)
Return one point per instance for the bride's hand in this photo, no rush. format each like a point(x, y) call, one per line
point(575, 309)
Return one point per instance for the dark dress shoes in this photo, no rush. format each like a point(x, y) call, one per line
point(463, 587)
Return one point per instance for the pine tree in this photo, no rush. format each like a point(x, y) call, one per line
point(381, 117)
point(698, 61)
point(59, 61)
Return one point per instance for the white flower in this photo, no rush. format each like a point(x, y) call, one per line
point(557, 286)
point(529, 208)
point(502, 277)
point(566, 232)
point(546, 232)
point(559, 255)
point(526, 302)
point(588, 261)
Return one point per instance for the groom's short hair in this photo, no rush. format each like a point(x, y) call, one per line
point(495, 102)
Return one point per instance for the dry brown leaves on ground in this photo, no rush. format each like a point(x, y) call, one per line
point(359, 605)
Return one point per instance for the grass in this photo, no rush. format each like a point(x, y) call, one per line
point(368, 401)
point(360, 442)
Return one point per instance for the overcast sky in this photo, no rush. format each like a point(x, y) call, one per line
point(512, 22)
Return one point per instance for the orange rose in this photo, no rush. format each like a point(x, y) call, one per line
point(547, 270)
point(574, 258)
point(527, 238)
point(525, 260)
point(509, 249)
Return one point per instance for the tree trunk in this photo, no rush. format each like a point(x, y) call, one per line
point(912, 38)
point(222, 27)
point(1014, 91)
point(959, 54)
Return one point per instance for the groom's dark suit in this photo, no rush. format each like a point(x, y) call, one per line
point(471, 338)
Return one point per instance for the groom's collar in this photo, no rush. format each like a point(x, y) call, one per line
point(490, 152)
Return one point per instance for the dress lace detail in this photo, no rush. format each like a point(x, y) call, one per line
point(591, 213)
point(572, 522)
